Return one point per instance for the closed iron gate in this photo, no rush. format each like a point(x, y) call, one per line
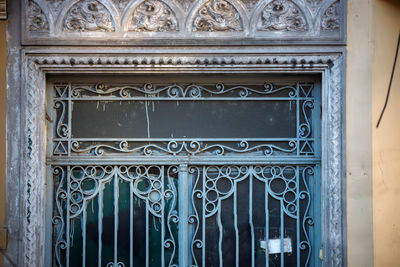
point(189, 173)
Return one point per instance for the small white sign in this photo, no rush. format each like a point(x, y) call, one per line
point(274, 245)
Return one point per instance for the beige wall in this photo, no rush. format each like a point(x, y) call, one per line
point(358, 135)
point(386, 139)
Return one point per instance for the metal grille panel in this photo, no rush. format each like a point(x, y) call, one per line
point(138, 181)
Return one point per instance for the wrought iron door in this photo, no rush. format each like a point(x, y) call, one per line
point(186, 173)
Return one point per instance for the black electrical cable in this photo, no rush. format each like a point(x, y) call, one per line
point(390, 82)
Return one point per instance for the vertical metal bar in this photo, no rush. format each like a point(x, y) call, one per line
point(116, 195)
point(298, 118)
point(100, 222)
point(266, 210)
point(204, 218)
point(147, 234)
point(297, 216)
point(183, 184)
point(131, 224)
point(162, 178)
point(282, 233)
point(235, 224)
point(67, 227)
point(83, 225)
point(220, 231)
point(69, 119)
point(251, 216)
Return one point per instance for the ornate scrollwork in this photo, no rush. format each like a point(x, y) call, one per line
point(219, 184)
point(77, 186)
point(147, 184)
point(37, 20)
point(179, 91)
point(330, 18)
point(176, 147)
point(153, 16)
point(282, 185)
point(217, 15)
point(58, 220)
point(282, 15)
point(300, 93)
point(88, 15)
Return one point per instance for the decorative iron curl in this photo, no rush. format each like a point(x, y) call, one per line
point(62, 128)
point(175, 147)
point(180, 91)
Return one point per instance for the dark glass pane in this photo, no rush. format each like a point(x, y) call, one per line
point(180, 119)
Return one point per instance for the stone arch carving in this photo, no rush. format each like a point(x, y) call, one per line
point(152, 16)
point(37, 19)
point(280, 16)
point(330, 16)
point(87, 16)
point(217, 16)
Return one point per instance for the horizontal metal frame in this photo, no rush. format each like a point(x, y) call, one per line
point(173, 160)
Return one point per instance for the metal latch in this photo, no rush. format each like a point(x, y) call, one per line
point(3, 238)
point(274, 245)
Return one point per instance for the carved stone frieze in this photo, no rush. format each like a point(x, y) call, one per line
point(217, 15)
point(37, 21)
point(330, 19)
point(194, 22)
point(153, 16)
point(282, 15)
point(88, 15)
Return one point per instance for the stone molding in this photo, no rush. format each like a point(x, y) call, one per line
point(35, 66)
point(182, 21)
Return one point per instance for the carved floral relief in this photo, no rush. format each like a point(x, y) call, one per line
point(153, 16)
point(88, 15)
point(282, 15)
point(37, 21)
point(330, 19)
point(217, 15)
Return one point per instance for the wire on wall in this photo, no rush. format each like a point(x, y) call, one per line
point(390, 82)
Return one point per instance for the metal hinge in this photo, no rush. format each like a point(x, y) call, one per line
point(3, 238)
point(320, 111)
point(321, 254)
